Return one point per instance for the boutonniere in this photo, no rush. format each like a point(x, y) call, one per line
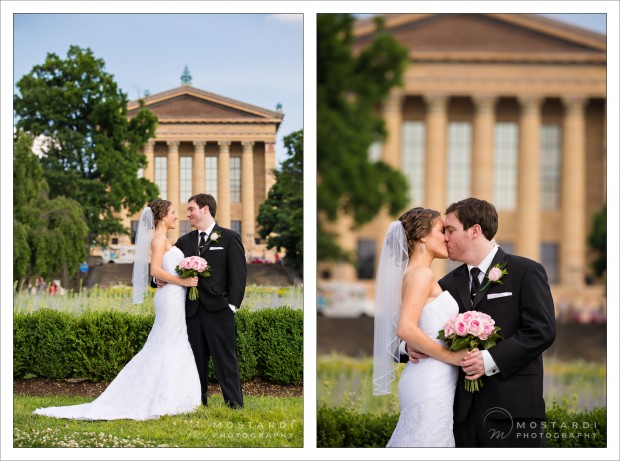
point(214, 237)
point(494, 275)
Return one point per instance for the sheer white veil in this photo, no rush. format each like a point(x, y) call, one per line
point(392, 265)
point(144, 235)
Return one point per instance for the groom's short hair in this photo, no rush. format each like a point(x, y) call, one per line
point(203, 200)
point(476, 211)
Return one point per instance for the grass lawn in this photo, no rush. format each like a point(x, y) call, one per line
point(264, 422)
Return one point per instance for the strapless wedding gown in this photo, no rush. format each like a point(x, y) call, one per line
point(426, 389)
point(161, 379)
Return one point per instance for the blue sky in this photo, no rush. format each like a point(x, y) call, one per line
point(254, 58)
point(594, 22)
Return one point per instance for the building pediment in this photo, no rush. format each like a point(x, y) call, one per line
point(488, 37)
point(191, 105)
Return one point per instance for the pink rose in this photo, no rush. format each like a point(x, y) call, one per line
point(460, 328)
point(448, 330)
point(195, 264)
point(475, 327)
point(214, 237)
point(495, 274)
point(467, 316)
point(487, 331)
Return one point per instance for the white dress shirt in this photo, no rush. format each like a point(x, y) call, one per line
point(207, 231)
point(490, 367)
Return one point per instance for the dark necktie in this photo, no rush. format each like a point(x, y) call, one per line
point(475, 282)
point(203, 239)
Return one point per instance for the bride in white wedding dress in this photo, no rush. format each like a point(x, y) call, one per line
point(161, 379)
point(411, 306)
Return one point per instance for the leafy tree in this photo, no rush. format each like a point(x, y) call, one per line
point(280, 217)
point(598, 241)
point(47, 233)
point(350, 87)
point(93, 156)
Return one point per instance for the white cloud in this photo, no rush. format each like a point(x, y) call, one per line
point(287, 18)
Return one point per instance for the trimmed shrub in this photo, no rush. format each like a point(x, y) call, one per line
point(44, 336)
point(105, 341)
point(565, 429)
point(97, 345)
point(340, 427)
point(279, 344)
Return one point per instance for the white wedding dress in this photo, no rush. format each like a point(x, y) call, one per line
point(426, 389)
point(161, 379)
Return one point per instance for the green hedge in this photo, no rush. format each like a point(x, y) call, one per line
point(344, 428)
point(96, 345)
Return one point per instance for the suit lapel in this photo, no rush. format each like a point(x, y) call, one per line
point(499, 258)
point(463, 288)
point(193, 240)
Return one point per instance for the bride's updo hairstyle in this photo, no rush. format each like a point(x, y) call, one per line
point(418, 223)
point(159, 207)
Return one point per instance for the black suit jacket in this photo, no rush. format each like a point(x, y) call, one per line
point(226, 258)
point(527, 321)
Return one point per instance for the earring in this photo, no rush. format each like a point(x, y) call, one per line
point(423, 246)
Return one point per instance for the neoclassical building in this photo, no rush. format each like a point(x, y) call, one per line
point(505, 107)
point(208, 143)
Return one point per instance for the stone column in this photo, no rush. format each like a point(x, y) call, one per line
point(198, 168)
point(393, 117)
point(573, 240)
point(270, 166)
point(435, 179)
point(149, 152)
point(482, 154)
point(223, 185)
point(528, 186)
point(247, 195)
point(173, 183)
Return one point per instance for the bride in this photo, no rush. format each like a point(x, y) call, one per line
point(162, 378)
point(411, 306)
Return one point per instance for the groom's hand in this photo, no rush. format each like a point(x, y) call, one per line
point(414, 356)
point(160, 283)
point(473, 365)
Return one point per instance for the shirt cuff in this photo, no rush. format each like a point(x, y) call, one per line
point(401, 348)
point(232, 308)
point(490, 367)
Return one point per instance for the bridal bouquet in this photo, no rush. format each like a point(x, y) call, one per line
point(193, 266)
point(469, 330)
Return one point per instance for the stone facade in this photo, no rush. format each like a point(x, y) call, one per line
point(477, 74)
point(205, 140)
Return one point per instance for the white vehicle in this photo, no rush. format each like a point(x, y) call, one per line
point(341, 299)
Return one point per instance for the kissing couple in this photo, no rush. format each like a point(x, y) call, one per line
point(436, 410)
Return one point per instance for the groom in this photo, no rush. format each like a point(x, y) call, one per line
point(509, 409)
point(211, 325)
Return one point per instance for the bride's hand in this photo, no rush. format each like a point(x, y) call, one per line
point(190, 282)
point(459, 356)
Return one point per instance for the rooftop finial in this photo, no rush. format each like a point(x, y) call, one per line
point(186, 78)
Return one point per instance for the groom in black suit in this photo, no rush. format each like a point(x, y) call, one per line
point(509, 409)
point(211, 325)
